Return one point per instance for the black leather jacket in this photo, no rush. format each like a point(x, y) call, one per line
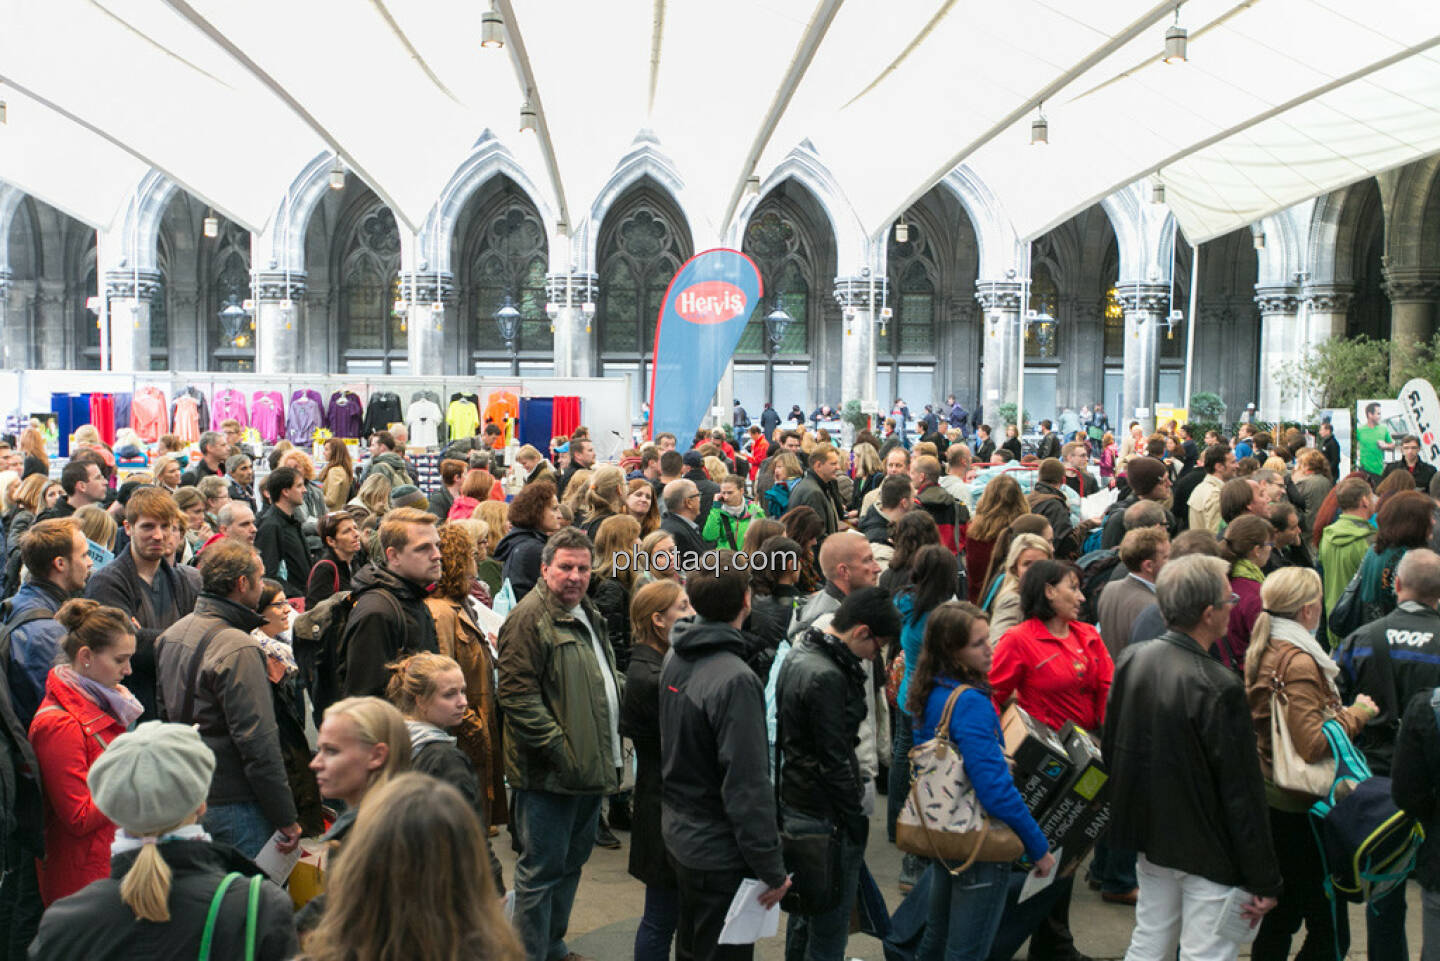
point(1186, 788)
point(821, 703)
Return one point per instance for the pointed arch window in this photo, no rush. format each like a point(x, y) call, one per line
point(373, 334)
point(777, 244)
point(643, 243)
point(230, 283)
point(509, 258)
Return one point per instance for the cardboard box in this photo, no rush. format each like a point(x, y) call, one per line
point(1041, 765)
point(1081, 810)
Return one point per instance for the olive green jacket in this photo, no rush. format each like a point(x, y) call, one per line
point(552, 696)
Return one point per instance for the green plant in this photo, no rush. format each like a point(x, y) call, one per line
point(1338, 372)
point(1007, 413)
point(1206, 406)
point(1424, 362)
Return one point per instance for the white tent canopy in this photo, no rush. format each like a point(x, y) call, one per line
point(1281, 99)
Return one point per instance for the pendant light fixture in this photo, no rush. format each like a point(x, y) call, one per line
point(1039, 129)
point(337, 174)
point(902, 231)
point(527, 116)
point(212, 225)
point(1157, 193)
point(492, 29)
point(1177, 40)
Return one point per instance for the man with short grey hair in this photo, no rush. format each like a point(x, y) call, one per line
point(1391, 660)
point(1186, 789)
point(237, 520)
point(241, 472)
point(682, 507)
point(213, 451)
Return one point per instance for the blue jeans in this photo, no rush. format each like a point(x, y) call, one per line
point(822, 937)
point(557, 834)
point(965, 912)
point(1385, 927)
point(241, 825)
point(1113, 868)
point(657, 924)
point(899, 784)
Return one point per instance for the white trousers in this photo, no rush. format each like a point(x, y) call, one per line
point(1178, 908)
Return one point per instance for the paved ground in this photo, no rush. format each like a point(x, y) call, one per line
point(610, 903)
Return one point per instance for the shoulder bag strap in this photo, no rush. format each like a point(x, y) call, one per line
point(942, 727)
point(252, 916)
point(196, 663)
point(213, 914)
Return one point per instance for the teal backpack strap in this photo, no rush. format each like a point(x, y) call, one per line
point(214, 913)
point(252, 916)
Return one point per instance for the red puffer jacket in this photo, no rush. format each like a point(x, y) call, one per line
point(68, 733)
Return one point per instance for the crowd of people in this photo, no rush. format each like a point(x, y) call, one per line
point(714, 650)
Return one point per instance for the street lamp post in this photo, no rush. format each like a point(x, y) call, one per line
point(509, 320)
point(776, 323)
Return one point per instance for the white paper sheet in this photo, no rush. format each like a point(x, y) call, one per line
point(1230, 924)
point(275, 864)
point(748, 921)
point(1034, 884)
point(1095, 506)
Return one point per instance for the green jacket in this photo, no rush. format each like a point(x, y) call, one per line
point(552, 694)
point(726, 532)
point(1342, 547)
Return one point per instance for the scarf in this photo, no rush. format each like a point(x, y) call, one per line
point(125, 841)
point(118, 702)
point(1284, 629)
point(1246, 568)
point(736, 512)
point(277, 650)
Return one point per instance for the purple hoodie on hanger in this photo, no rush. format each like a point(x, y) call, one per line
point(345, 414)
point(307, 415)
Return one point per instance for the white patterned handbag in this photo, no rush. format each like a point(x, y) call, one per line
point(942, 817)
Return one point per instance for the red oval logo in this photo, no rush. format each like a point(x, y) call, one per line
point(710, 302)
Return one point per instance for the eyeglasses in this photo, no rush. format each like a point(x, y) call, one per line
point(282, 604)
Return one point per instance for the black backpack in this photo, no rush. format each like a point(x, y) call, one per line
point(1096, 570)
point(318, 636)
point(20, 802)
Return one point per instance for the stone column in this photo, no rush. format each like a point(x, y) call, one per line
point(14, 354)
point(1329, 310)
point(569, 293)
point(858, 298)
point(277, 321)
point(1281, 342)
point(425, 326)
point(1413, 293)
point(1000, 333)
point(130, 317)
point(1145, 305)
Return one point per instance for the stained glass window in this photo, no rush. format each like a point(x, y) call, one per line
point(369, 285)
point(1042, 336)
point(642, 245)
point(776, 243)
point(510, 260)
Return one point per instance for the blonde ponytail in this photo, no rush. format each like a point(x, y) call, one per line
point(146, 888)
point(1283, 594)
